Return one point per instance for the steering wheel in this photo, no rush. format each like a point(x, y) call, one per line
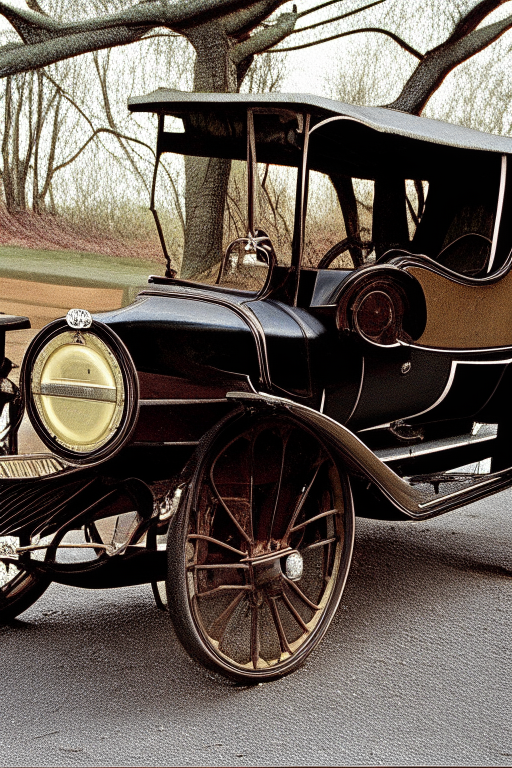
point(341, 247)
point(260, 243)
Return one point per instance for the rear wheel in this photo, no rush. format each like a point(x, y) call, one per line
point(259, 549)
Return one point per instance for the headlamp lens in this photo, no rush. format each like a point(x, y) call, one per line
point(78, 390)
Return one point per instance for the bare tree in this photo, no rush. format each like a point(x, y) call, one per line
point(226, 36)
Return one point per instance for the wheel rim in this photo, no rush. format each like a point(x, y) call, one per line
point(269, 502)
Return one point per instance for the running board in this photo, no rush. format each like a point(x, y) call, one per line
point(416, 496)
point(441, 454)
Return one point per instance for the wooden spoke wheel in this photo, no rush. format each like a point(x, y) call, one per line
point(259, 549)
point(20, 586)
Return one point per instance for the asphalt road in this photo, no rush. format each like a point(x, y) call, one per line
point(415, 670)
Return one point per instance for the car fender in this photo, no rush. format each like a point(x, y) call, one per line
point(417, 501)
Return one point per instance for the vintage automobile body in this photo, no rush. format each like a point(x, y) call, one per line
point(242, 428)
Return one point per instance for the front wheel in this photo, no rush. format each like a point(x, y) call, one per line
point(20, 585)
point(259, 549)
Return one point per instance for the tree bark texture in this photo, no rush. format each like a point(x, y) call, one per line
point(346, 197)
point(222, 61)
point(206, 179)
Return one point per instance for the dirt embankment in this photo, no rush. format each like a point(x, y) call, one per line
point(29, 230)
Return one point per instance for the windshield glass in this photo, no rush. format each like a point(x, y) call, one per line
point(217, 233)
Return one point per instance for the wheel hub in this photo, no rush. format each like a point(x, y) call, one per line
point(294, 566)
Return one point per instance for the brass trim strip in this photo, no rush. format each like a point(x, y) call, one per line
point(77, 391)
point(182, 401)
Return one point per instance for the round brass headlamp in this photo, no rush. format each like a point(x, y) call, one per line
point(80, 390)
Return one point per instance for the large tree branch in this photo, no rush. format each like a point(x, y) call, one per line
point(161, 13)
point(243, 22)
point(47, 40)
point(439, 62)
point(386, 32)
point(23, 58)
point(264, 38)
point(473, 18)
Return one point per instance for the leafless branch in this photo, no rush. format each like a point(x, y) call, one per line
point(319, 7)
point(95, 133)
point(473, 18)
point(386, 32)
point(264, 38)
point(176, 198)
point(66, 96)
point(47, 40)
point(338, 18)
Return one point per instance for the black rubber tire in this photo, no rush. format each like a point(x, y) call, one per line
point(183, 608)
point(29, 589)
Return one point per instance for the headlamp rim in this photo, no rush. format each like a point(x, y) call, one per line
point(130, 380)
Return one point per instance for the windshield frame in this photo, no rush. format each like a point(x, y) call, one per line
point(290, 285)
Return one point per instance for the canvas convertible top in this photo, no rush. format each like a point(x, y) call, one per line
point(387, 121)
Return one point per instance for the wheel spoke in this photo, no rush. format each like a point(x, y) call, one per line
point(296, 615)
point(301, 501)
point(283, 642)
point(227, 510)
point(321, 543)
point(219, 626)
point(251, 485)
point(313, 519)
point(224, 588)
point(208, 566)
point(301, 594)
point(219, 543)
point(255, 636)
point(279, 484)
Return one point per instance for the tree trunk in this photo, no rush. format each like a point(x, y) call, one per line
point(346, 197)
point(206, 180)
point(7, 177)
point(37, 203)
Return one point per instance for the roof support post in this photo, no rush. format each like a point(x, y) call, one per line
point(301, 198)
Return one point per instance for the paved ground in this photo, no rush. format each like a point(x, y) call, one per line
point(415, 669)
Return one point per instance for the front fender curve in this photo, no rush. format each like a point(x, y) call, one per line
point(408, 499)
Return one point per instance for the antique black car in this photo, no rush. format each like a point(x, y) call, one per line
point(216, 437)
